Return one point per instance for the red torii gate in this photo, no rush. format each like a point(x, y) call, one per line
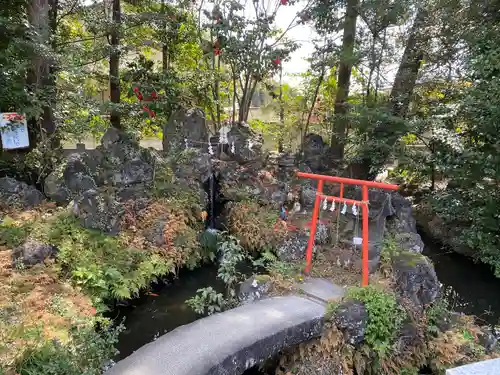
point(363, 203)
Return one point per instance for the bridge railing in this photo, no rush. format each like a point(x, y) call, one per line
point(363, 203)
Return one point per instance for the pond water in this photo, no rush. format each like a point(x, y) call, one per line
point(153, 315)
point(470, 287)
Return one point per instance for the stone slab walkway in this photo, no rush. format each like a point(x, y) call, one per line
point(228, 343)
point(490, 367)
point(321, 290)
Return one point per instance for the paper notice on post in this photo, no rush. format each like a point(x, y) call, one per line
point(13, 131)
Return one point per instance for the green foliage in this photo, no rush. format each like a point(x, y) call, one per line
point(209, 241)
point(409, 371)
point(437, 314)
point(207, 300)
point(232, 255)
point(386, 317)
point(99, 263)
point(84, 354)
point(274, 265)
point(12, 233)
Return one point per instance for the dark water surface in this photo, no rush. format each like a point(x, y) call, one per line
point(470, 287)
point(149, 317)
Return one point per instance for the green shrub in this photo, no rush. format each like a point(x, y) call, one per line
point(84, 354)
point(12, 233)
point(207, 301)
point(385, 317)
point(101, 264)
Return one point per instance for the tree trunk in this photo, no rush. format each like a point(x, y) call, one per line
point(344, 80)
point(313, 104)
point(164, 49)
point(407, 74)
point(399, 102)
point(114, 64)
point(39, 76)
point(281, 135)
point(248, 101)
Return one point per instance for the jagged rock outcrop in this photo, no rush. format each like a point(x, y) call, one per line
point(314, 152)
point(31, 253)
point(351, 317)
point(184, 125)
point(247, 144)
point(415, 278)
point(15, 193)
point(99, 210)
point(119, 162)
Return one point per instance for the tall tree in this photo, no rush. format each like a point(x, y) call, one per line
point(407, 74)
point(41, 16)
point(114, 63)
point(344, 80)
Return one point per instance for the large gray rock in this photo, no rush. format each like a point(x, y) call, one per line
point(247, 143)
point(185, 124)
point(415, 278)
point(351, 317)
point(31, 253)
point(403, 226)
point(119, 162)
point(404, 220)
point(99, 210)
point(314, 151)
point(18, 194)
point(488, 339)
point(193, 165)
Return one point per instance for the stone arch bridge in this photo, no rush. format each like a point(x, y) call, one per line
point(233, 341)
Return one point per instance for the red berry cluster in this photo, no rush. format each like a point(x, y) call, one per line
point(217, 49)
point(140, 97)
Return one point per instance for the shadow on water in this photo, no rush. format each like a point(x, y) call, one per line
point(150, 316)
point(472, 287)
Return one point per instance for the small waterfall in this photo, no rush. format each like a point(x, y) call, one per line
point(216, 201)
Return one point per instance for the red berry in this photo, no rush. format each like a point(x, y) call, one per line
point(284, 2)
point(154, 95)
point(139, 96)
point(136, 89)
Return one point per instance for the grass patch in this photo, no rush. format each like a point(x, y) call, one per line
point(13, 233)
point(84, 353)
point(37, 307)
